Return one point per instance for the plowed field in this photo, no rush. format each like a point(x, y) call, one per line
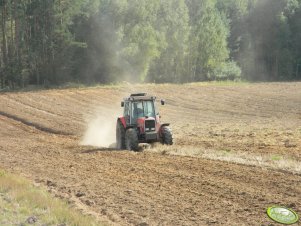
point(237, 151)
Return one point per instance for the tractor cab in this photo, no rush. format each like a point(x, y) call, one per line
point(141, 122)
point(138, 106)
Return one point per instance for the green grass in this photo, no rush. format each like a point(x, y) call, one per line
point(276, 157)
point(20, 200)
point(226, 152)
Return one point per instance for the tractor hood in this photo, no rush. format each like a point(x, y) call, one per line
point(141, 120)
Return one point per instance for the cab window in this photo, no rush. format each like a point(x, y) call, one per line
point(149, 108)
point(137, 110)
point(126, 109)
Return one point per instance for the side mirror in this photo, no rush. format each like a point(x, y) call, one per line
point(122, 103)
point(162, 102)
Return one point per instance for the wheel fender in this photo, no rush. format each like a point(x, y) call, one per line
point(160, 130)
point(164, 124)
point(122, 120)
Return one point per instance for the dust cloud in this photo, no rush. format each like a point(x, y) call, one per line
point(100, 133)
point(101, 121)
point(101, 128)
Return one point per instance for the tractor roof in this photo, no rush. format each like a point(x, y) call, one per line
point(139, 96)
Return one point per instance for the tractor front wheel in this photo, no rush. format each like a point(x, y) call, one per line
point(166, 135)
point(131, 140)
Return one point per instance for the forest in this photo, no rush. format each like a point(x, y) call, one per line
point(56, 42)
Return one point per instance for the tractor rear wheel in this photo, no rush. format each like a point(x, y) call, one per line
point(131, 140)
point(120, 136)
point(166, 135)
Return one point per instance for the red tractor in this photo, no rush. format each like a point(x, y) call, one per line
point(140, 123)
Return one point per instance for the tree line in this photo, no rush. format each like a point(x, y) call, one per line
point(103, 41)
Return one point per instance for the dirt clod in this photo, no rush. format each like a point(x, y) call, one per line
point(80, 194)
point(32, 220)
point(50, 183)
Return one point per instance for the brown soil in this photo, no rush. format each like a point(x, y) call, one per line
point(41, 131)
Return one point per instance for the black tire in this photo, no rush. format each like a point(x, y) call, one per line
point(131, 140)
point(120, 136)
point(166, 135)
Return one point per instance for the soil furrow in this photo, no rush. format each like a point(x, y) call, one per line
point(34, 125)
